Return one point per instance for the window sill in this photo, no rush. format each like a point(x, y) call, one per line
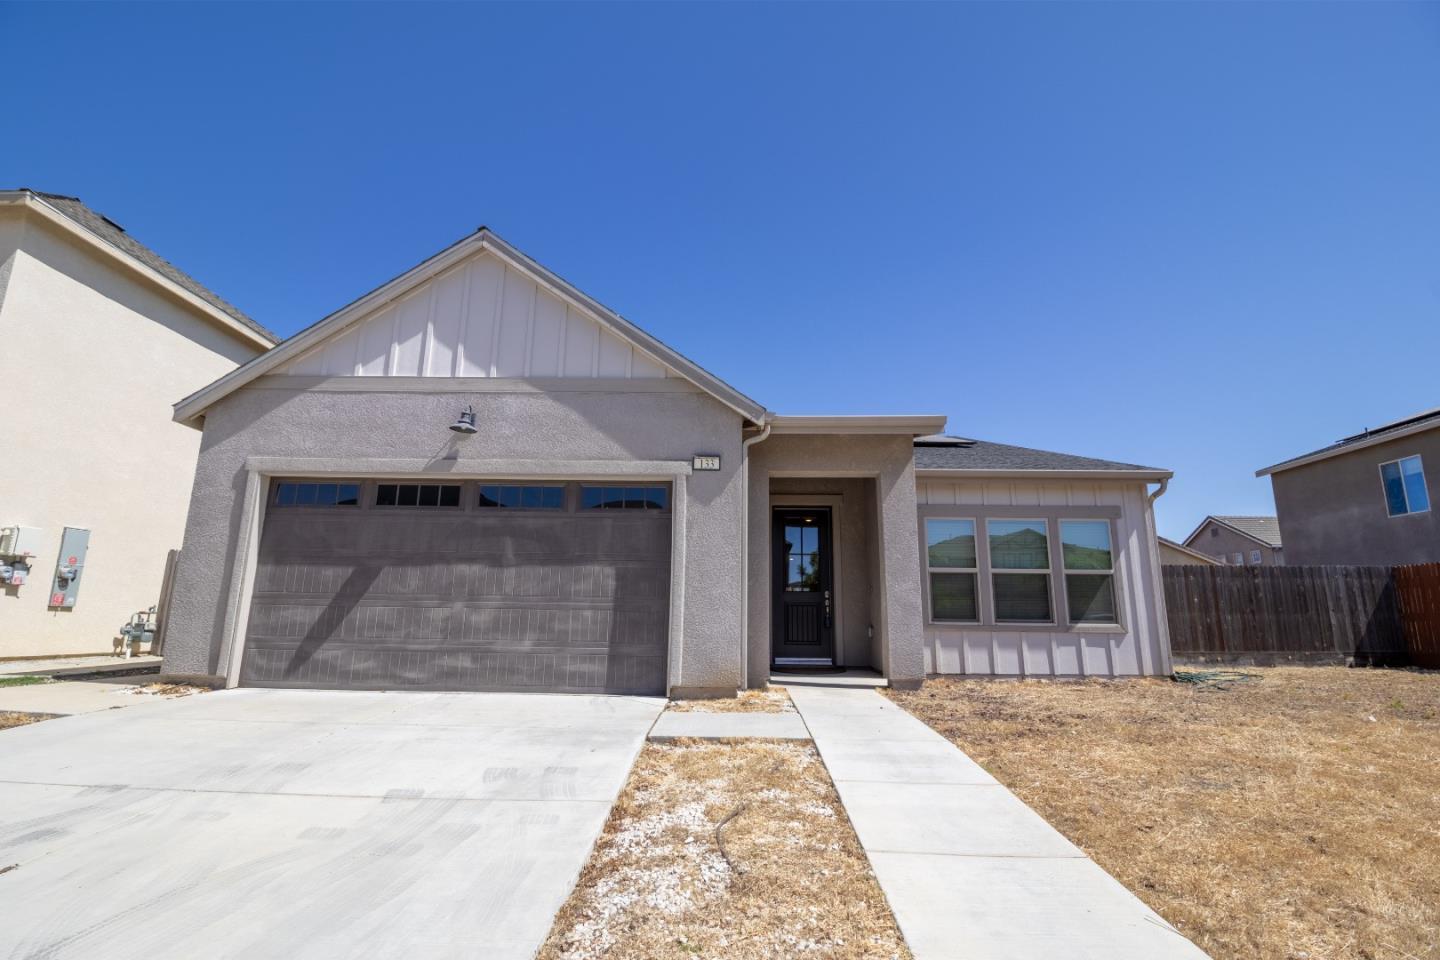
point(1096, 629)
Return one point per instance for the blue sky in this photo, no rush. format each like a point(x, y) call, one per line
point(1198, 236)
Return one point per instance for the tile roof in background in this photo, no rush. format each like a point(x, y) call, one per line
point(115, 235)
point(958, 453)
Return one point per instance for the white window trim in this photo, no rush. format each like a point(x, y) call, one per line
point(1423, 482)
point(1256, 557)
point(1067, 572)
point(1047, 571)
point(975, 571)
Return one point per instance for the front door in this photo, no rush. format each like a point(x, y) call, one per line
point(803, 628)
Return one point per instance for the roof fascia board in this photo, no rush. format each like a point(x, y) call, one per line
point(960, 473)
point(1233, 529)
point(915, 426)
point(1327, 454)
point(38, 206)
point(1166, 541)
point(192, 407)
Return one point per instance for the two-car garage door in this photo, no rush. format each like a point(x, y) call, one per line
point(461, 586)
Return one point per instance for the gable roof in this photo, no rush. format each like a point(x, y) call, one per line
point(1263, 530)
point(1181, 548)
point(192, 408)
point(1394, 430)
point(111, 234)
point(940, 453)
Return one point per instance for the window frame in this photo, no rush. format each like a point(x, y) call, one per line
point(1048, 571)
point(1256, 558)
point(975, 571)
point(1424, 485)
point(338, 483)
point(459, 505)
point(1113, 573)
point(481, 485)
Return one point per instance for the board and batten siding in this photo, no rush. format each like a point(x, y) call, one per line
point(479, 318)
point(1141, 648)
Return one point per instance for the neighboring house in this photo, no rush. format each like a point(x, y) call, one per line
point(1174, 554)
point(1239, 541)
point(100, 335)
point(1365, 499)
point(476, 477)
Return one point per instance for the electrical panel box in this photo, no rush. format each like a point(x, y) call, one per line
point(19, 541)
point(69, 568)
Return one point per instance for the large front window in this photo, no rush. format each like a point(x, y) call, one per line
point(954, 571)
point(1404, 482)
point(1020, 570)
point(1089, 571)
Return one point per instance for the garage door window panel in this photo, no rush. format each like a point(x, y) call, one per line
point(623, 498)
point(417, 495)
point(520, 497)
point(294, 493)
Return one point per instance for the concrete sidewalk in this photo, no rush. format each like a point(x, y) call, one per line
point(76, 696)
point(79, 666)
point(970, 871)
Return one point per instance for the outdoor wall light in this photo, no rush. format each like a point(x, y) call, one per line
point(465, 423)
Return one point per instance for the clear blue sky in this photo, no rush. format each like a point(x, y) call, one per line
point(1198, 236)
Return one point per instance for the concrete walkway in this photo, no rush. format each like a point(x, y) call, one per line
point(78, 666)
point(970, 871)
point(310, 825)
point(76, 696)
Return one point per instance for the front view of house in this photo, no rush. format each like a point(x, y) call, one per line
point(478, 478)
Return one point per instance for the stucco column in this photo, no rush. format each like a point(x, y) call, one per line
point(902, 626)
point(757, 570)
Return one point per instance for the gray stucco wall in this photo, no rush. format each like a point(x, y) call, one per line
point(609, 424)
point(1333, 511)
point(1214, 540)
point(895, 569)
point(855, 534)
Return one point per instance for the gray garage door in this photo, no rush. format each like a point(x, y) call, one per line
point(461, 586)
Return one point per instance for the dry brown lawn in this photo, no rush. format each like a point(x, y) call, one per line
point(12, 718)
point(1294, 816)
point(783, 877)
point(771, 700)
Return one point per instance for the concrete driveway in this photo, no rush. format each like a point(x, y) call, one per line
point(306, 824)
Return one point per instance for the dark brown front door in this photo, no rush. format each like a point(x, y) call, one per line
point(803, 629)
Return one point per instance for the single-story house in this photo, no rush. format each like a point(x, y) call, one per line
point(476, 477)
point(1174, 554)
point(100, 335)
point(1363, 499)
point(1239, 541)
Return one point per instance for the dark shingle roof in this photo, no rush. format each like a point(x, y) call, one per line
point(958, 453)
point(1369, 435)
point(1264, 529)
point(115, 235)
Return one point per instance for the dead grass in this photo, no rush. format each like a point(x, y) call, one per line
point(737, 850)
point(13, 718)
point(169, 689)
point(772, 700)
point(1294, 817)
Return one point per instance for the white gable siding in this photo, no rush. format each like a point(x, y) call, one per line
point(1142, 647)
point(478, 319)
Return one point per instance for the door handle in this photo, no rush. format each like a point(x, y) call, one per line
point(827, 609)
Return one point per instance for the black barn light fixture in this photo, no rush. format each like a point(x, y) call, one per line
point(465, 423)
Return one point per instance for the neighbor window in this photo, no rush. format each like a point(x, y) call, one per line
point(1404, 483)
point(522, 497)
point(623, 498)
point(417, 495)
point(954, 572)
point(1255, 557)
point(292, 494)
point(1020, 570)
point(1089, 571)
point(1238, 559)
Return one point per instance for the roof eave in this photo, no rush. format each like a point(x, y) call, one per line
point(991, 473)
point(37, 205)
point(915, 425)
point(1331, 452)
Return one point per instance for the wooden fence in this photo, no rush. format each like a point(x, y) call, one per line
point(1287, 613)
point(1419, 589)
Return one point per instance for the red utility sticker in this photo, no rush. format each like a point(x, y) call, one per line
point(72, 560)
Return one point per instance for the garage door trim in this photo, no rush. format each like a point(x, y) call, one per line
point(261, 470)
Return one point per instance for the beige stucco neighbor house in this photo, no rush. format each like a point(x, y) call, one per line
point(1239, 541)
point(1174, 554)
point(99, 336)
point(476, 477)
